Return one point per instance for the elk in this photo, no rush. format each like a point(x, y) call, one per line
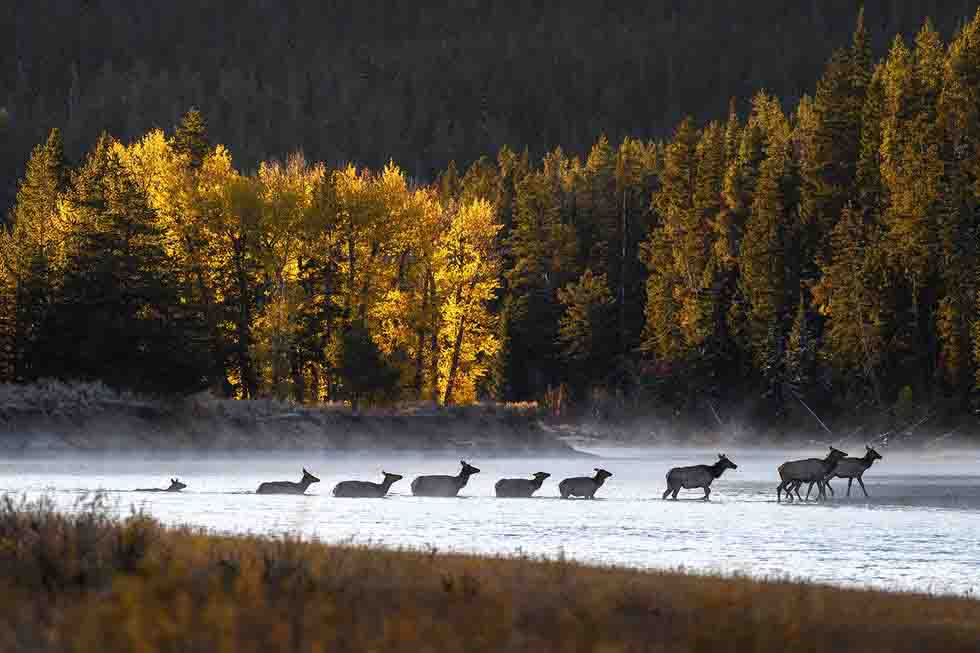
point(696, 476)
point(520, 487)
point(288, 487)
point(583, 486)
point(366, 489)
point(853, 468)
point(810, 470)
point(443, 486)
point(175, 486)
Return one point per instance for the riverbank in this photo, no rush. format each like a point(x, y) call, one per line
point(86, 582)
point(55, 418)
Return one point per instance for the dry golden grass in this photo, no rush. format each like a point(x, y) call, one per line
point(83, 582)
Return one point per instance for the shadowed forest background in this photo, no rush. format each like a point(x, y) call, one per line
point(497, 202)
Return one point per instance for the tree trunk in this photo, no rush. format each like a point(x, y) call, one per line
point(243, 328)
point(420, 345)
point(296, 371)
point(454, 365)
point(457, 346)
point(434, 341)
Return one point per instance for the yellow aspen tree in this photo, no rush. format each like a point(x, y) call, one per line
point(287, 193)
point(467, 280)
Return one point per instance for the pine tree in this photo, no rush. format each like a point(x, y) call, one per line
point(801, 355)
point(542, 252)
point(911, 173)
point(118, 314)
point(587, 328)
point(675, 252)
point(829, 156)
point(191, 138)
point(853, 296)
point(763, 278)
point(958, 207)
point(32, 258)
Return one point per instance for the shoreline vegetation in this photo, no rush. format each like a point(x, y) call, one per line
point(52, 418)
point(796, 259)
point(83, 581)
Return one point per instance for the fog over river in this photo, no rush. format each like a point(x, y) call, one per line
point(920, 530)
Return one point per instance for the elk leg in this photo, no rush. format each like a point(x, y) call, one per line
point(850, 482)
point(796, 489)
point(666, 493)
point(827, 485)
point(707, 492)
point(862, 486)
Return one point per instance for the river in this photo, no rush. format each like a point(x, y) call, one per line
point(919, 531)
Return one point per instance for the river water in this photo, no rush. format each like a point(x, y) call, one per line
point(919, 531)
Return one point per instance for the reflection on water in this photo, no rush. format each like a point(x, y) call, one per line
point(920, 530)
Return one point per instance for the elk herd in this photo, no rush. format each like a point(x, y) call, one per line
point(792, 474)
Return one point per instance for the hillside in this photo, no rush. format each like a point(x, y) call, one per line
point(422, 82)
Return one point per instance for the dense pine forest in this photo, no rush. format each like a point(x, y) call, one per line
point(819, 252)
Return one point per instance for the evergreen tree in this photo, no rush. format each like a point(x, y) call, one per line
point(542, 252)
point(801, 355)
point(829, 156)
point(586, 329)
point(675, 254)
point(191, 138)
point(118, 314)
point(853, 295)
point(32, 257)
point(767, 267)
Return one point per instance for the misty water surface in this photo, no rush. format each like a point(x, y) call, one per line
point(919, 531)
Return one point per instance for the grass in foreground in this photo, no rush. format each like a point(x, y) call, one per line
point(86, 582)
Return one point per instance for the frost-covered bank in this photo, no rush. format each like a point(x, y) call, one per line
point(53, 417)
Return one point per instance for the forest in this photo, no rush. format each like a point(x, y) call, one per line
point(819, 253)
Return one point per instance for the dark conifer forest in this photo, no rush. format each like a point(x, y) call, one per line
point(691, 206)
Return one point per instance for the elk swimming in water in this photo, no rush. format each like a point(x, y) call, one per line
point(520, 487)
point(288, 487)
point(443, 486)
point(366, 489)
point(175, 486)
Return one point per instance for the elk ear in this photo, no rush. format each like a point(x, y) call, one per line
point(721, 456)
